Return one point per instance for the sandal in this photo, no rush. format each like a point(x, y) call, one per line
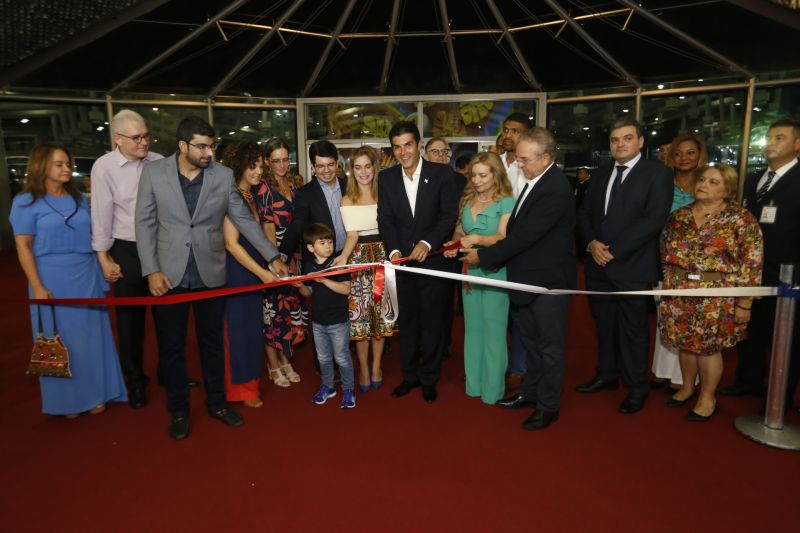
point(254, 403)
point(97, 410)
point(278, 378)
point(289, 372)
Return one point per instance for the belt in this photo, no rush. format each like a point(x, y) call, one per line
point(699, 276)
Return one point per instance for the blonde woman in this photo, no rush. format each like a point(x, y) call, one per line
point(485, 209)
point(370, 321)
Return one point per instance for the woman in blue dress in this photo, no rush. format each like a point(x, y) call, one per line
point(51, 225)
point(244, 326)
point(486, 206)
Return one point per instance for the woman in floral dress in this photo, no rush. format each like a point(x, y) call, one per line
point(710, 243)
point(285, 314)
point(370, 321)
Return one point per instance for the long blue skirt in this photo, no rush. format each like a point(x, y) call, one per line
point(86, 332)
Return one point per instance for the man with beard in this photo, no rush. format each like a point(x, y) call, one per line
point(181, 204)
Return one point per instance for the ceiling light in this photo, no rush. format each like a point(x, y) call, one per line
point(624, 110)
point(231, 132)
point(100, 128)
point(245, 127)
point(656, 119)
point(681, 98)
point(700, 80)
point(756, 109)
point(653, 132)
point(586, 128)
point(24, 120)
point(660, 85)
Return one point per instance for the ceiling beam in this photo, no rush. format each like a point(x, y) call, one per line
point(312, 80)
point(772, 11)
point(530, 78)
point(448, 40)
point(175, 47)
point(602, 52)
point(83, 38)
point(647, 15)
point(223, 83)
point(390, 42)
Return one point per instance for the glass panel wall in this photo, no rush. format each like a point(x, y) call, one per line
point(259, 125)
point(581, 131)
point(769, 105)
point(716, 117)
point(81, 128)
point(356, 121)
point(472, 118)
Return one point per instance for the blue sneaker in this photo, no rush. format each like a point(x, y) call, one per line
point(323, 394)
point(348, 399)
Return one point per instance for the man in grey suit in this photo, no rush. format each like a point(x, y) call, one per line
point(181, 204)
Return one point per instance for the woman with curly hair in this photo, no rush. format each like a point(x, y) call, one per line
point(244, 360)
point(284, 310)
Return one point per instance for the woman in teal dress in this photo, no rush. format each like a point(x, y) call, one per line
point(486, 206)
point(52, 232)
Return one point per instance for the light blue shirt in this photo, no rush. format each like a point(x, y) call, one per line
point(333, 195)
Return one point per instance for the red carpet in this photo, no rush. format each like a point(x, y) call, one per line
point(389, 465)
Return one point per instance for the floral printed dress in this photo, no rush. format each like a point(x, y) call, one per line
point(729, 243)
point(285, 313)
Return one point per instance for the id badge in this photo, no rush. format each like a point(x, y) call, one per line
point(768, 214)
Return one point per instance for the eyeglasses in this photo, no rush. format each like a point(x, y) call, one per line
point(439, 153)
point(204, 147)
point(138, 139)
point(284, 161)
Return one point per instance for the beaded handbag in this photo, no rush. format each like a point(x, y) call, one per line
point(49, 357)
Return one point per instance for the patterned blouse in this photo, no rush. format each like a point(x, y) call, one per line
point(729, 243)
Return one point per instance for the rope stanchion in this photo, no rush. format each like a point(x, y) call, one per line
point(771, 430)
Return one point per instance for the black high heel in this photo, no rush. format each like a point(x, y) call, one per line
point(672, 402)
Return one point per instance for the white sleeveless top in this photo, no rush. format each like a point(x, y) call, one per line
point(360, 218)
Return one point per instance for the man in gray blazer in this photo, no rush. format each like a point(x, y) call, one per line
point(181, 204)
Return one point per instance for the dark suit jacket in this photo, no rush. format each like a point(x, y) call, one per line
point(781, 238)
point(310, 206)
point(537, 249)
point(633, 223)
point(434, 216)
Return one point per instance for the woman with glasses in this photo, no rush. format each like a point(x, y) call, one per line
point(370, 321)
point(437, 151)
point(285, 314)
point(51, 225)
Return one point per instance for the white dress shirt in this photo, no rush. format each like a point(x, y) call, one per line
point(515, 176)
point(629, 165)
point(411, 185)
point(778, 173)
point(530, 187)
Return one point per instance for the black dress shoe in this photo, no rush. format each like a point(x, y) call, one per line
point(137, 398)
point(597, 384)
point(429, 393)
point(404, 388)
point(669, 391)
point(228, 417)
point(515, 401)
point(193, 383)
point(179, 427)
point(692, 416)
point(632, 404)
point(739, 390)
point(540, 420)
point(672, 402)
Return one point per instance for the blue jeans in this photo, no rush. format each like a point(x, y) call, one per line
point(333, 342)
point(516, 353)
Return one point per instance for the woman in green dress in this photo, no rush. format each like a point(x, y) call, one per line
point(486, 206)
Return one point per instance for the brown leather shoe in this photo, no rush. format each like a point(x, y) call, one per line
point(513, 381)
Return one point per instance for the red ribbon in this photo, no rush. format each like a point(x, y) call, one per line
point(377, 290)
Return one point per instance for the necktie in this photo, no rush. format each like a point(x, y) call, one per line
point(615, 184)
point(521, 196)
point(764, 189)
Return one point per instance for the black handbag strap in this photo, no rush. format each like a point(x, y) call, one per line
point(39, 319)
